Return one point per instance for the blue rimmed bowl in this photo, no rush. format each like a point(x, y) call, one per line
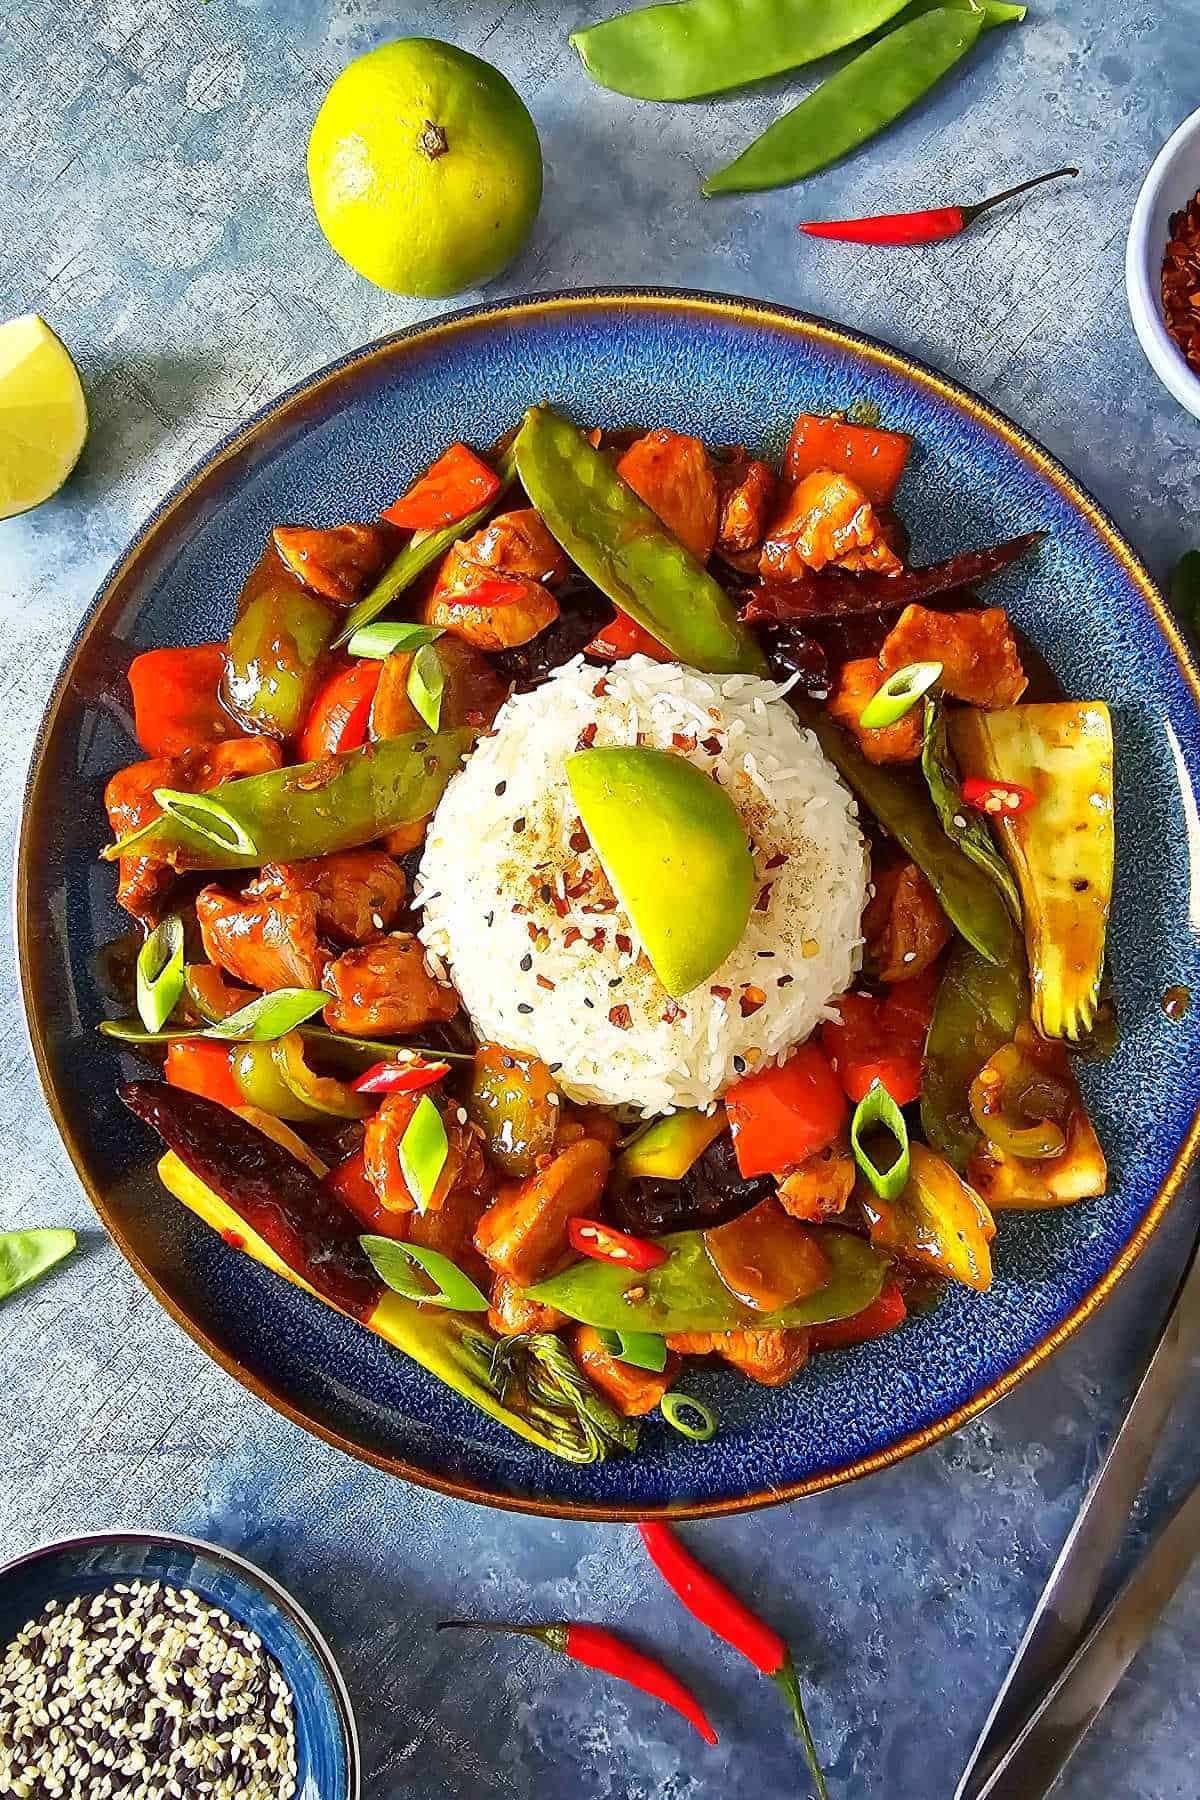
point(327, 1754)
point(342, 445)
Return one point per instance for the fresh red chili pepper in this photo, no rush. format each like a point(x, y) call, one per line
point(607, 1244)
point(399, 1077)
point(458, 483)
point(495, 590)
point(928, 226)
point(625, 637)
point(883, 1315)
point(710, 1601)
point(998, 799)
point(597, 1648)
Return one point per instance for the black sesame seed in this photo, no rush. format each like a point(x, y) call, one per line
point(489, 919)
point(500, 787)
point(519, 824)
point(524, 1007)
point(739, 1063)
point(526, 963)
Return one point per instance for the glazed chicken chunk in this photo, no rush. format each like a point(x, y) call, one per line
point(517, 547)
point(265, 943)
point(827, 519)
point(674, 475)
point(383, 989)
point(359, 893)
point(977, 651)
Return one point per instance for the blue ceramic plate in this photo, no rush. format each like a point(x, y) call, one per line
point(342, 445)
point(327, 1755)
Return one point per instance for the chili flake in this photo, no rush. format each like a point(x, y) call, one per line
point(587, 737)
point(571, 936)
point(624, 944)
point(752, 999)
point(544, 981)
point(683, 740)
point(712, 745)
point(764, 898)
point(720, 993)
point(621, 1017)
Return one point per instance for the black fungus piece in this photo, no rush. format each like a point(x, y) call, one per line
point(712, 1192)
point(584, 612)
point(791, 651)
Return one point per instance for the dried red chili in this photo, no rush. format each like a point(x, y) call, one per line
point(598, 1649)
point(998, 799)
point(1181, 280)
point(928, 226)
point(710, 1601)
point(836, 594)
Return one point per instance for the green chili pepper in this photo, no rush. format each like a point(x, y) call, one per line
point(26, 1256)
point(281, 633)
point(978, 1008)
point(314, 808)
point(899, 694)
point(962, 824)
point(640, 1349)
point(402, 1266)
point(160, 973)
point(685, 1293)
point(426, 684)
point(902, 806)
point(423, 1151)
point(675, 1409)
point(878, 1108)
point(623, 547)
point(855, 104)
point(696, 47)
point(380, 640)
point(421, 553)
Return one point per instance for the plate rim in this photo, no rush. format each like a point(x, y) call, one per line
point(740, 311)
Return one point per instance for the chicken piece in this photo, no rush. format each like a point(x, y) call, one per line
point(674, 475)
point(130, 803)
point(450, 1227)
point(523, 1233)
point(977, 651)
point(359, 893)
point(821, 1185)
point(858, 681)
point(384, 990)
point(405, 838)
point(577, 1122)
point(460, 1183)
point(511, 1314)
point(905, 927)
point(337, 562)
point(516, 546)
point(634, 1392)
point(747, 491)
point(826, 519)
point(264, 943)
point(770, 1357)
point(472, 692)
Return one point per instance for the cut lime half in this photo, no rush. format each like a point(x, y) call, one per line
point(43, 414)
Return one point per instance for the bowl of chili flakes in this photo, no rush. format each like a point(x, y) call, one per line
point(1162, 264)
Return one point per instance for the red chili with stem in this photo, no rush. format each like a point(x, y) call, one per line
point(710, 1601)
point(998, 799)
point(597, 1648)
point(928, 226)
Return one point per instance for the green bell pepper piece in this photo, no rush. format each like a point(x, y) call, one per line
point(978, 1008)
point(971, 901)
point(626, 550)
point(313, 808)
point(685, 1293)
point(281, 634)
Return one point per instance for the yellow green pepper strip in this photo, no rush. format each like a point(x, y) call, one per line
point(855, 104)
point(313, 808)
point(626, 550)
point(683, 51)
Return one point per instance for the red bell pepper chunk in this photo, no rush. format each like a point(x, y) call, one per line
point(781, 1116)
point(203, 1067)
point(625, 637)
point(874, 460)
point(400, 1077)
point(882, 1040)
point(458, 483)
point(607, 1244)
point(348, 1180)
point(883, 1315)
point(177, 701)
point(341, 712)
point(998, 799)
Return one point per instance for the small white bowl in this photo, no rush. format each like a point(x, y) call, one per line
point(1173, 179)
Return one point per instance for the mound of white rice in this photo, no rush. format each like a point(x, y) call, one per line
point(520, 915)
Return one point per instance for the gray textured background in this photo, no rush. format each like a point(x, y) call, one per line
point(153, 208)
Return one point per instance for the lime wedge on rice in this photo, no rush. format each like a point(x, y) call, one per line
point(43, 414)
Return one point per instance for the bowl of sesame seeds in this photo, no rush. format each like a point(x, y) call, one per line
point(154, 1667)
point(1162, 264)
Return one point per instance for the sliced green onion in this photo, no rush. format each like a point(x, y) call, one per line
point(878, 1108)
point(403, 1266)
point(675, 1408)
point(423, 1151)
point(425, 683)
point(207, 817)
point(898, 694)
point(380, 640)
point(160, 973)
point(640, 1349)
point(270, 1016)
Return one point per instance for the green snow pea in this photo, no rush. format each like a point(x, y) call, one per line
point(26, 1256)
point(422, 551)
point(696, 47)
point(966, 827)
point(685, 1293)
point(900, 802)
point(854, 104)
point(311, 809)
point(624, 548)
point(995, 12)
point(978, 1008)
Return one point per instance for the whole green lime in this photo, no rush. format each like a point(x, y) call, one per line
point(425, 168)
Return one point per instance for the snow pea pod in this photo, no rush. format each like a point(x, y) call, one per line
point(685, 1293)
point(26, 1256)
point(682, 51)
point(314, 808)
point(626, 551)
point(979, 1006)
point(855, 104)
